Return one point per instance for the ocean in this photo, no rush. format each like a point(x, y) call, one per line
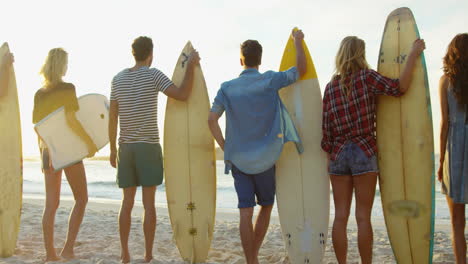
point(102, 186)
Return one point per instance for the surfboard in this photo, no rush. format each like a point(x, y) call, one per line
point(190, 168)
point(302, 181)
point(406, 148)
point(65, 146)
point(11, 164)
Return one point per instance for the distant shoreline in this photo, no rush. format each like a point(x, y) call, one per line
point(219, 156)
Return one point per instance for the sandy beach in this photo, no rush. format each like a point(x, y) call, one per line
point(98, 241)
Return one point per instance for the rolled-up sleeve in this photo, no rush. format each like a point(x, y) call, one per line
point(383, 85)
point(285, 78)
point(219, 103)
point(326, 125)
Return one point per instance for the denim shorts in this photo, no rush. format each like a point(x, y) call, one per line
point(353, 161)
point(249, 186)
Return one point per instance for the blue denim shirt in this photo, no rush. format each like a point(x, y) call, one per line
point(257, 122)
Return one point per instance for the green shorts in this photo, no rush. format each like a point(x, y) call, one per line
point(139, 164)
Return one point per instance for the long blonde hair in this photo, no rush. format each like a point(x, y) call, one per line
point(351, 58)
point(54, 67)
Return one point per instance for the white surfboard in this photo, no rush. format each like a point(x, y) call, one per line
point(189, 166)
point(11, 161)
point(406, 147)
point(65, 147)
point(302, 181)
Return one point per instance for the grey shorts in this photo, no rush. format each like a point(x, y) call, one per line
point(353, 161)
point(139, 164)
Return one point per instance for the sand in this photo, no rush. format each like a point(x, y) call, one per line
point(98, 241)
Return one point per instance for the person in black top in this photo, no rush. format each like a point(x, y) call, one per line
point(54, 94)
point(5, 65)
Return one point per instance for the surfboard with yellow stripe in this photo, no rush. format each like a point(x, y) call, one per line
point(302, 182)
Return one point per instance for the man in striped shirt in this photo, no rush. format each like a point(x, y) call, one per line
point(134, 102)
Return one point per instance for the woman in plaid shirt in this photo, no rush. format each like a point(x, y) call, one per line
point(348, 137)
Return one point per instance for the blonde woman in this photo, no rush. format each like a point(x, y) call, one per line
point(54, 94)
point(349, 138)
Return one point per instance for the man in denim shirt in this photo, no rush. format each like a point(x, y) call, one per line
point(257, 126)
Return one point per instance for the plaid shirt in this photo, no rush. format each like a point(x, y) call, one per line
point(352, 118)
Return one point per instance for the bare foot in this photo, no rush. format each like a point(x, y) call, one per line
point(52, 258)
point(148, 259)
point(125, 257)
point(68, 255)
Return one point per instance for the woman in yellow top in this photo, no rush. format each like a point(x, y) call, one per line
point(55, 94)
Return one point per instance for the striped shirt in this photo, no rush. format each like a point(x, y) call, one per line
point(137, 95)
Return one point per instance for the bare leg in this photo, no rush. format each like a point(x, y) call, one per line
point(342, 195)
point(365, 191)
point(76, 177)
point(261, 228)
point(457, 213)
point(53, 182)
point(125, 220)
point(149, 221)
point(247, 234)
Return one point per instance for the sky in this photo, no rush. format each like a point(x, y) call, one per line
point(98, 36)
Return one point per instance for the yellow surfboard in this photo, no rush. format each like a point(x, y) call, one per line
point(11, 165)
point(406, 148)
point(190, 168)
point(302, 182)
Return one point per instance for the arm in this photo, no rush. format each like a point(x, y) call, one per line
point(407, 75)
point(216, 129)
point(7, 61)
point(113, 122)
point(326, 129)
point(444, 123)
point(301, 62)
point(76, 126)
point(182, 92)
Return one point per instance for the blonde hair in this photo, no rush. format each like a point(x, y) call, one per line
point(54, 67)
point(351, 58)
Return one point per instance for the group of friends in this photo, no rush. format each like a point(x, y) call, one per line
point(252, 106)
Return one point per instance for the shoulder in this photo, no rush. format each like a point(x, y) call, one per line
point(444, 82)
point(69, 86)
point(334, 82)
point(444, 79)
point(369, 72)
point(269, 73)
point(225, 85)
point(39, 93)
point(328, 88)
point(119, 75)
point(155, 71)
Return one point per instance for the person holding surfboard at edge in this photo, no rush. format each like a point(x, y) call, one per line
point(55, 94)
point(257, 126)
point(7, 61)
point(453, 91)
point(134, 102)
point(348, 126)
